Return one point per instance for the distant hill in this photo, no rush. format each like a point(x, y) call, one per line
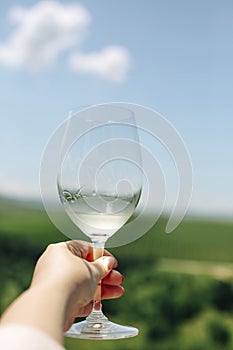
point(14, 203)
point(195, 239)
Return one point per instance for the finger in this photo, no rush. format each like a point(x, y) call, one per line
point(111, 292)
point(103, 266)
point(81, 249)
point(105, 253)
point(84, 250)
point(113, 278)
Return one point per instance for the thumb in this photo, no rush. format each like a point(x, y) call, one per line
point(104, 265)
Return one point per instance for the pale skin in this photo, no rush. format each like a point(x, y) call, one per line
point(63, 286)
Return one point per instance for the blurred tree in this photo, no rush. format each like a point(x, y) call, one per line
point(219, 332)
point(222, 295)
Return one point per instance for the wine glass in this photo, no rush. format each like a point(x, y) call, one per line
point(99, 185)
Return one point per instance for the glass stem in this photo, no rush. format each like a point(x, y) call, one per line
point(97, 314)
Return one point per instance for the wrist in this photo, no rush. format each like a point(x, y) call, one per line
point(40, 308)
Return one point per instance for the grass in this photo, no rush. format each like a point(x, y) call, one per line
point(162, 273)
point(193, 239)
point(203, 240)
point(19, 219)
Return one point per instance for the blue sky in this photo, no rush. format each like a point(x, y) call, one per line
point(175, 56)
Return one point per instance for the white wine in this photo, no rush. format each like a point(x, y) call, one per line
point(98, 216)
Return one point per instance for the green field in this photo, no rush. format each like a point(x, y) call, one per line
point(179, 287)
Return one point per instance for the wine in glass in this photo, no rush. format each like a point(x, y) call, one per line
point(99, 184)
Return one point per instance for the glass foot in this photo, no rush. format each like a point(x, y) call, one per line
point(100, 330)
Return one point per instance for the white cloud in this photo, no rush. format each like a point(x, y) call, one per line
point(49, 28)
point(112, 62)
point(42, 32)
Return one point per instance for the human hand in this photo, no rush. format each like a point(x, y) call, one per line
point(69, 269)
